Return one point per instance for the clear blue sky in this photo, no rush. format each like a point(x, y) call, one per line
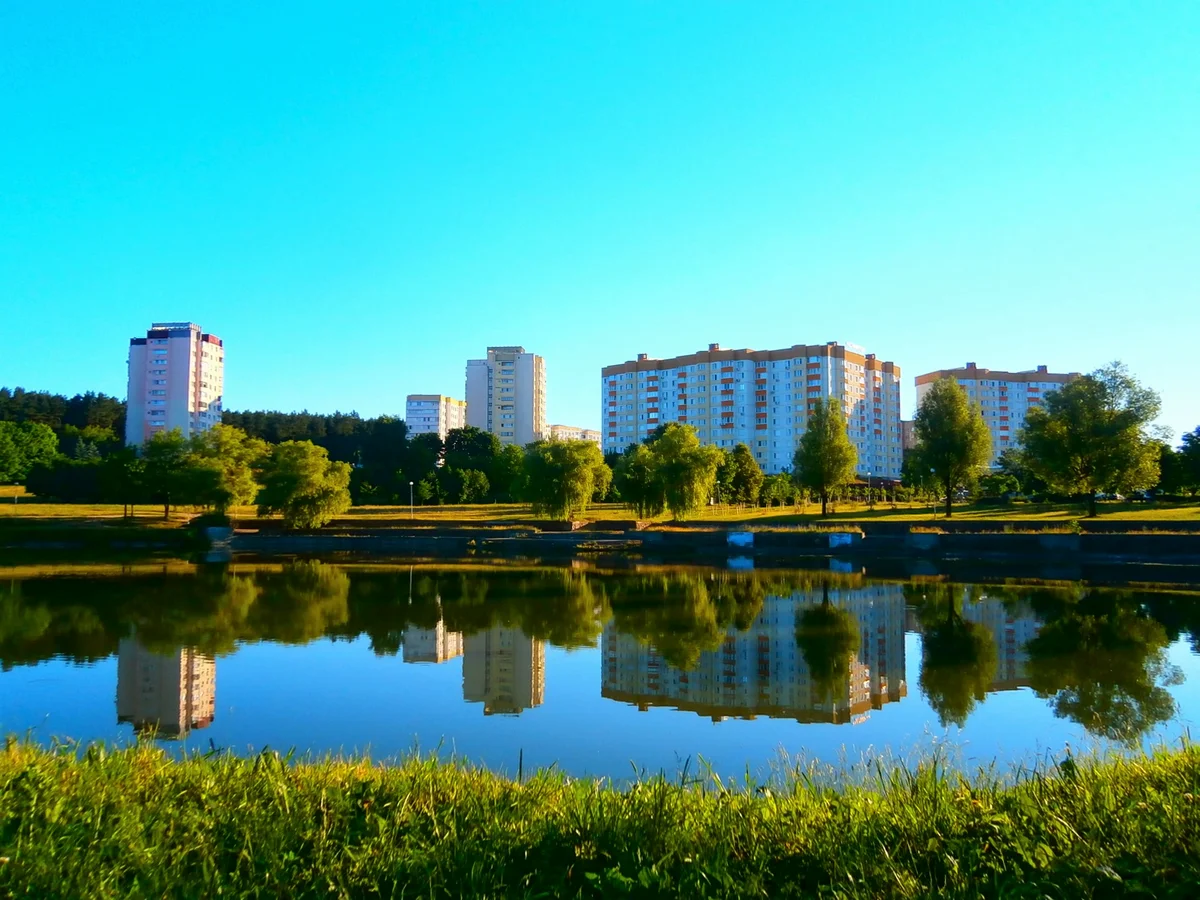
point(360, 197)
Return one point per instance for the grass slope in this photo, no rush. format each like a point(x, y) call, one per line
point(134, 823)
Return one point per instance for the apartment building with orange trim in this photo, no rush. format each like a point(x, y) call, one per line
point(761, 398)
point(1003, 397)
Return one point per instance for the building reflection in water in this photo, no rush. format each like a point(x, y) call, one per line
point(504, 670)
point(432, 645)
point(1012, 628)
point(761, 671)
point(167, 694)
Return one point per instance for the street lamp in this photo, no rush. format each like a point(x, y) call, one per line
point(870, 496)
point(410, 501)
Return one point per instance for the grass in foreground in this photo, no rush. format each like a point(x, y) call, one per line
point(134, 823)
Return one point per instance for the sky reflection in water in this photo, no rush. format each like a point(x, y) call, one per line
point(598, 672)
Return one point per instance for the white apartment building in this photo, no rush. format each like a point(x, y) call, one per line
point(1003, 397)
point(506, 395)
point(176, 380)
point(434, 414)
point(761, 398)
point(571, 433)
point(761, 671)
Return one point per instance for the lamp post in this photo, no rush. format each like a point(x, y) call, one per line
point(410, 501)
point(870, 496)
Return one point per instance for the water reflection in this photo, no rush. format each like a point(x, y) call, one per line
point(789, 645)
point(815, 655)
point(165, 694)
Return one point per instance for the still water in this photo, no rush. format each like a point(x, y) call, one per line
point(596, 671)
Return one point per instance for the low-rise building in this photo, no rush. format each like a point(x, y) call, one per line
point(571, 433)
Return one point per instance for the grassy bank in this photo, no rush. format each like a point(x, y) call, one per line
point(133, 823)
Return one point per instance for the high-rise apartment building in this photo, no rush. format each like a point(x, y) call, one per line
point(761, 398)
point(571, 433)
point(761, 671)
point(506, 395)
point(169, 694)
point(434, 414)
point(504, 670)
point(176, 380)
point(1003, 397)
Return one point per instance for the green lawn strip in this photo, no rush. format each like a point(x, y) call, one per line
point(135, 823)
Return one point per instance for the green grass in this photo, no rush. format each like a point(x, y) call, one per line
point(516, 515)
point(134, 823)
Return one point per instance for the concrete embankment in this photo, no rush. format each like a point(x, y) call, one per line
point(1115, 548)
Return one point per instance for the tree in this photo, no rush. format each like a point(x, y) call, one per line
point(300, 481)
point(825, 459)
point(561, 477)
point(464, 485)
point(953, 441)
point(1092, 435)
point(23, 446)
point(170, 478)
point(777, 490)
point(746, 477)
point(471, 448)
point(1188, 460)
point(637, 481)
point(507, 474)
point(231, 455)
point(685, 469)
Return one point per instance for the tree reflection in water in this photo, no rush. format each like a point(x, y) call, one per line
point(1098, 656)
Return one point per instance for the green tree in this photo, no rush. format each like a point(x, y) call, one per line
point(303, 484)
point(953, 441)
point(506, 476)
point(561, 477)
point(1185, 465)
point(464, 485)
point(472, 448)
point(777, 490)
point(231, 456)
point(1092, 434)
point(687, 471)
point(746, 477)
point(825, 459)
point(169, 476)
point(636, 479)
point(23, 446)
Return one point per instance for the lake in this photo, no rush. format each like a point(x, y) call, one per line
point(597, 671)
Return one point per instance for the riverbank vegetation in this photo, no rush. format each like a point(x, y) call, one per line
point(134, 822)
point(1090, 441)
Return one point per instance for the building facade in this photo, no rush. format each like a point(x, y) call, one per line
point(571, 433)
point(176, 380)
point(761, 398)
point(504, 670)
point(761, 671)
point(434, 414)
point(506, 395)
point(1003, 397)
point(170, 694)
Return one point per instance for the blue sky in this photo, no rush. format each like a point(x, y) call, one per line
point(360, 197)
